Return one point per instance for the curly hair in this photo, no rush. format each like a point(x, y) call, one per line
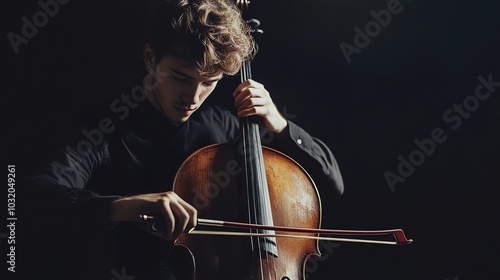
point(210, 33)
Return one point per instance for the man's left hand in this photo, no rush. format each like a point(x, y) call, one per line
point(252, 99)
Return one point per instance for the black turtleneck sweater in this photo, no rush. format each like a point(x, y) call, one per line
point(134, 153)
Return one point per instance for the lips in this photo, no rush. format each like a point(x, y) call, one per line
point(184, 110)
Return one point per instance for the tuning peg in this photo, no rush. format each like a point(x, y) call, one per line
point(260, 31)
point(254, 23)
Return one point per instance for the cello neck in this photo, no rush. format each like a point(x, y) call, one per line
point(254, 176)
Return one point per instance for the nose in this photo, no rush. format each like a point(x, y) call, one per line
point(192, 94)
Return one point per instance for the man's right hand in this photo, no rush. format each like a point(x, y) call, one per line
point(179, 215)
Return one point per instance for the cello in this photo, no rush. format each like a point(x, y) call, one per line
point(260, 193)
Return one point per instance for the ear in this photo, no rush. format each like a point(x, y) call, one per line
point(149, 57)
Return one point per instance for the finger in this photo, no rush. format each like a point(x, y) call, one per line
point(241, 97)
point(182, 218)
point(247, 84)
point(250, 93)
point(253, 111)
point(241, 87)
point(251, 102)
point(193, 214)
point(186, 215)
point(241, 93)
point(168, 216)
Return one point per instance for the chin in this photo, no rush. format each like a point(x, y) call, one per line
point(178, 122)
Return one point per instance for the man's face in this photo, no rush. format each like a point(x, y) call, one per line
point(179, 89)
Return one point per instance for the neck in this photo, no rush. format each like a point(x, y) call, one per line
point(152, 96)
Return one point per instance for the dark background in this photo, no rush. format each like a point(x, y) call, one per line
point(369, 111)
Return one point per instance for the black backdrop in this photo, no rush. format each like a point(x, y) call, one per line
point(397, 89)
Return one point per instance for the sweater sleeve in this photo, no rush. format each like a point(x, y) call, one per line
point(59, 201)
point(314, 155)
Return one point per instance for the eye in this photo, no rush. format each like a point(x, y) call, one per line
point(208, 84)
point(179, 79)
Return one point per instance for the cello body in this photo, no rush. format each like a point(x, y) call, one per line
point(211, 180)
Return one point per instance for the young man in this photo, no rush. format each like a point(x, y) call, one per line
point(95, 199)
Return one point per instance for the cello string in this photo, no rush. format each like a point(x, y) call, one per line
point(249, 171)
point(256, 181)
point(261, 194)
point(251, 187)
